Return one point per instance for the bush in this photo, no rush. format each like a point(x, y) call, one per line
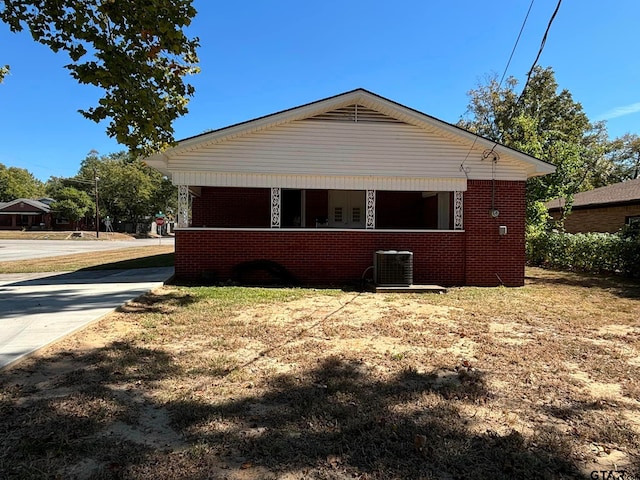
point(586, 252)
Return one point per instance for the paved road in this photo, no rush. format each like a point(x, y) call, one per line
point(29, 249)
point(38, 309)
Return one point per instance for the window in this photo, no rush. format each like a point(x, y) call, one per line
point(633, 220)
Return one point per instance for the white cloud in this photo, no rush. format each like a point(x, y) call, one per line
point(621, 111)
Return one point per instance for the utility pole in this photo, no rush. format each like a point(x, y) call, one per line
point(95, 175)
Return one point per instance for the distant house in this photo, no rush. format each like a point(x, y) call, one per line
point(321, 188)
point(31, 214)
point(25, 213)
point(605, 209)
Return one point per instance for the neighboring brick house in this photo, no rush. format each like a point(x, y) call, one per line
point(31, 214)
point(319, 188)
point(604, 209)
point(25, 214)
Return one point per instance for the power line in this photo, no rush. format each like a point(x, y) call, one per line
point(542, 44)
point(535, 62)
point(506, 68)
point(516, 44)
point(77, 180)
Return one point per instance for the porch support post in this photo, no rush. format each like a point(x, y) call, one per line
point(371, 209)
point(276, 202)
point(458, 208)
point(183, 206)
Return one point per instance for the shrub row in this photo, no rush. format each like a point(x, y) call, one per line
point(586, 252)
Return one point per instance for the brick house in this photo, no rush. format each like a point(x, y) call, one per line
point(319, 188)
point(32, 214)
point(604, 209)
point(25, 213)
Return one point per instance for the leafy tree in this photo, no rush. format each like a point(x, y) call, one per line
point(18, 183)
point(128, 190)
point(72, 204)
point(135, 51)
point(625, 156)
point(542, 122)
point(54, 185)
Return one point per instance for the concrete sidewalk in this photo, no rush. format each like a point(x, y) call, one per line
point(38, 309)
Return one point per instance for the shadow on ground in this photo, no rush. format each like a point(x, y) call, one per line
point(158, 301)
point(619, 286)
point(95, 415)
point(151, 261)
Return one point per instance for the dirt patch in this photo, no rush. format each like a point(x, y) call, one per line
point(267, 383)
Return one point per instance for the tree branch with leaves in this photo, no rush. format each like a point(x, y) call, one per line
point(136, 52)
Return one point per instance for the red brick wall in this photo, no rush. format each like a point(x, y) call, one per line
point(319, 257)
point(603, 219)
point(479, 256)
point(492, 259)
point(228, 207)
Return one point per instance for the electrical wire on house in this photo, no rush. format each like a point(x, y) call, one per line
point(533, 66)
point(504, 73)
point(535, 62)
point(494, 160)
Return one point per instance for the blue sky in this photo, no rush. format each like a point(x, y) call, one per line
point(259, 57)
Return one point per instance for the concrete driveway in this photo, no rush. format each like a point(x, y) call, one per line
point(38, 309)
point(28, 249)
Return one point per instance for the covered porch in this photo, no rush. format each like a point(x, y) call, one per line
point(453, 238)
point(317, 236)
point(296, 208)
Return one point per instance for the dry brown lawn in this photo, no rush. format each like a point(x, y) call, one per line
point(136, 257)
point(238, 383)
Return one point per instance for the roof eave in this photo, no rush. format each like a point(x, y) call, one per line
point(34, 203)
point(160, 162)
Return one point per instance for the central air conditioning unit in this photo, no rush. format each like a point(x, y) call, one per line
point(393, 268)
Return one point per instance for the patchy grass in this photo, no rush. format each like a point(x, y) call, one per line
point(125, 258)
point(254, 383)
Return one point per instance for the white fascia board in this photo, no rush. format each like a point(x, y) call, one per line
point(160, 162)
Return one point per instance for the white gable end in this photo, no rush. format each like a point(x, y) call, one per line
point(345, 149)
point(356, 140)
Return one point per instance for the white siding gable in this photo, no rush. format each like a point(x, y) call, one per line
point(345, 149)
point(356, 140)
